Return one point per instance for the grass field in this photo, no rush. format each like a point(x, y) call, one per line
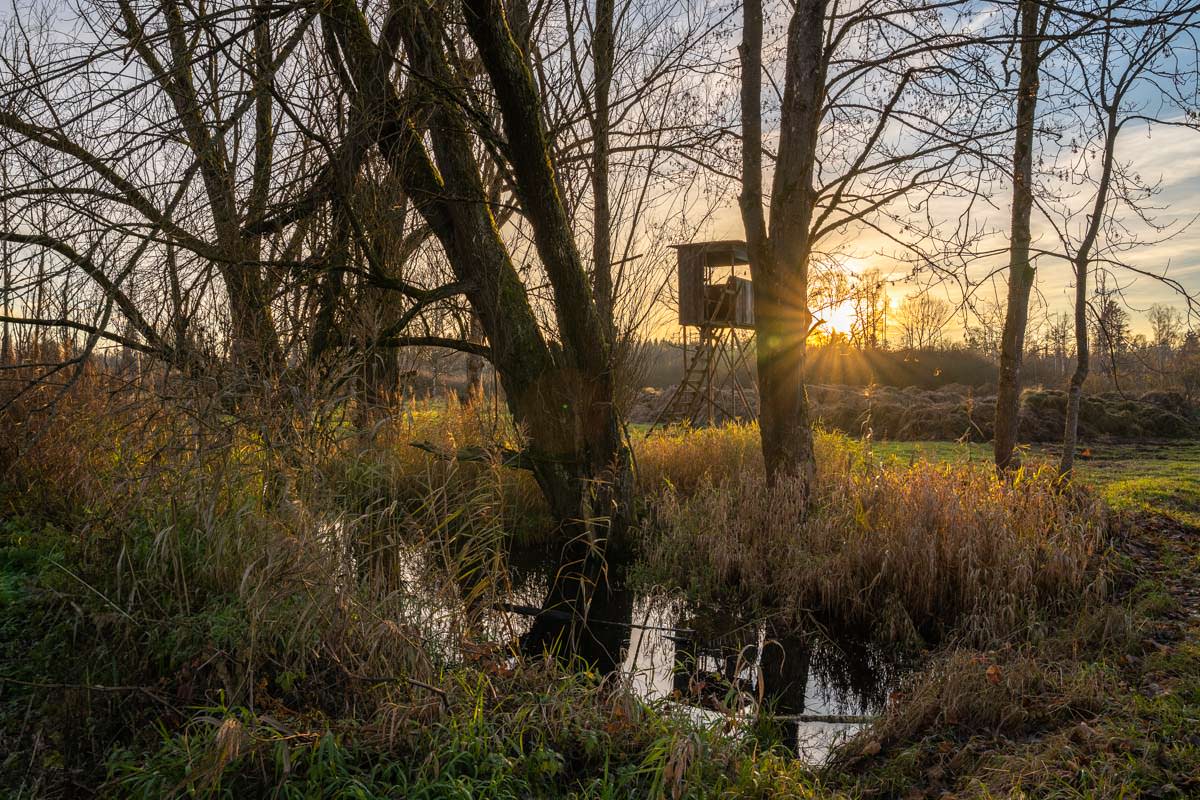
point(180, 631)
point(1145, 476)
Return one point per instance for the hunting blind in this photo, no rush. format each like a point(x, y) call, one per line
point(716, 297)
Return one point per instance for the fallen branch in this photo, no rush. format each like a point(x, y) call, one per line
point(841, 719)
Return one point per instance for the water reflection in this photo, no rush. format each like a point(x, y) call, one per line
point(721, 668)
point(718, 668)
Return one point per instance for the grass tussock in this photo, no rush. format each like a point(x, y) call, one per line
point(1103, 706)
point(899, 548)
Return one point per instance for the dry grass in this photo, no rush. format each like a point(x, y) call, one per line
point(384, 470)
point(899, 548)
point(1080, 713)
point(246, 562)
point(685, 459)
point(1007, 692)
point(986, 724)
point(310, 566)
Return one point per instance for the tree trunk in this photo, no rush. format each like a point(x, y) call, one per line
point(784, 417)
point(330, 288)
point(779, 259)
point(1082, 263)
point(7, 353)
point(1082, 357)
point(599, 482)
point(1020, 270)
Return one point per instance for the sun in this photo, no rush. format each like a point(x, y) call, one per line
point(839, 318)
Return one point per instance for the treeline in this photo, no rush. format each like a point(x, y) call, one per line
point(839, 362)
point(1132, 365)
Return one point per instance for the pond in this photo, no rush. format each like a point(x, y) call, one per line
point(723, 668)
point(720, 667)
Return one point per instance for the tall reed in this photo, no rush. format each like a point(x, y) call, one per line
point(902, 549)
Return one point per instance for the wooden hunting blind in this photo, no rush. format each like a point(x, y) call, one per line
point(714, 287)
point(716, 296)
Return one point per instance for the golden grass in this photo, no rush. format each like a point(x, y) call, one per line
point(901, 548)
point(384, 467)
point(328, 557)
point(685, 459)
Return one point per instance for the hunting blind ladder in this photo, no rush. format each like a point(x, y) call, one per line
point(716, 297)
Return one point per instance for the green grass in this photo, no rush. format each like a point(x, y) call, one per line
point(1152, 477)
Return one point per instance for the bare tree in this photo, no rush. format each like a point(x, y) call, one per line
point(309, 189)
point(1060, 337)
point(1125, 74)
point(441, 122)
point(869, 299)
point(858, 132)
point(1166, 326)
point(602, 64)
point(984, 335)
point(922, 319)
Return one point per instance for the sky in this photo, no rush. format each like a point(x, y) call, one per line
point(1166, 154)
point(1169, 155)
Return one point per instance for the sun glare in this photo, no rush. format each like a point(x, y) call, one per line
point(840, 318)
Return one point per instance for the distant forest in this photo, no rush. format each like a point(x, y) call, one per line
point(1129, 363)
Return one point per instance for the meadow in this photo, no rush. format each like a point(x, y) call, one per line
point(190, 612)
point(1161, 477)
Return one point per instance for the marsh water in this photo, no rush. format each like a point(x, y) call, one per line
point(719, 666)
point(730, 670)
